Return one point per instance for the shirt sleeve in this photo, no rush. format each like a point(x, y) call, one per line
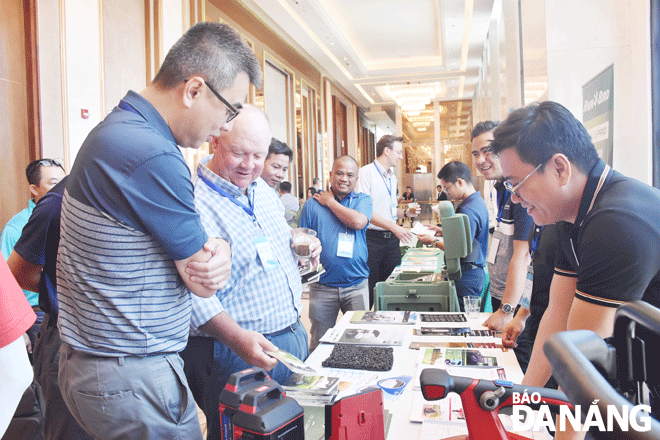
point(203, 309)
point(563, 264)
point(31, 246)
point(522, 222)
point(160, 194)
point(8, 239)
point(305, 220)
point(365, 206)
point(613, 253)
point(16, 315)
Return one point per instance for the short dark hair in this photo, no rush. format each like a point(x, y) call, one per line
point(214, 51)
point(285, 187)
point(279, 147)
point(312, 189)
point(539, 131)
point(455, 170)
point(33, 170)
point(483, 127)
point(386, 142)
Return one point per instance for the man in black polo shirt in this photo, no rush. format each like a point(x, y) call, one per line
point(607, 249)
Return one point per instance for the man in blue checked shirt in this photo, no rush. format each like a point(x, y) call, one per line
point(340, 217)
point(260, 306)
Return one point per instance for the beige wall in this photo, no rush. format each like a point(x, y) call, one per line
point(585, 37)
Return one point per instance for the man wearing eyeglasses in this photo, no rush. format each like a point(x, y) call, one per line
point(456, 181)
point(508, 253)
point(609, 226)
point(42, 175)
point(132, 244)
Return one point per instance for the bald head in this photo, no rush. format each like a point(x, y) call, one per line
point(239, 154)
point(344, 176)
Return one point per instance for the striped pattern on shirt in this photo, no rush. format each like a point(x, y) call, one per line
point(257, 299)
point(119, 292)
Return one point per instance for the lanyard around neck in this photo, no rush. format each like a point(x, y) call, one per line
point(249, 211)
point(535, 242)
point(389, 190)
point(502, 202)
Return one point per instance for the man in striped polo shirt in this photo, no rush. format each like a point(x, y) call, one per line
point(132, 243)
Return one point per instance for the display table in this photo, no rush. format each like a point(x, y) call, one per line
point(405, 363)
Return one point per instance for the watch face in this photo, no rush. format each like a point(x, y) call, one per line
point(507, 308)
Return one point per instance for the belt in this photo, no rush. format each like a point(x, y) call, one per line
point(36, 308)
point(289, 328)
point(373, 233)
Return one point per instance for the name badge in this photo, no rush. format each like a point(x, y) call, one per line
point(526, 299)
point(492, 248)
point(345, 245)
point(265, 252)
point(394, 211)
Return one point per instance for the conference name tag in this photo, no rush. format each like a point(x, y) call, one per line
point(265, 252)
point(345, 245)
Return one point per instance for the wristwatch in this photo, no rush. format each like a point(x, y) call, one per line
point(506, 308)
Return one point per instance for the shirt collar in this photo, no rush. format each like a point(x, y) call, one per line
point(597, 178)
point(385, 172)
point(346, 197)
point(149, 113)
point(474, 195)
point(221, 182)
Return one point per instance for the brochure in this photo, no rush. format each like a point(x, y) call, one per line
point(364, 336)
point(384, 317)
point(292, 363)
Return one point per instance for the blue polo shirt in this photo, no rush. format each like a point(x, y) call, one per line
point(10, 235)
point(339, 271)
point(476, 211)
point(39, 242)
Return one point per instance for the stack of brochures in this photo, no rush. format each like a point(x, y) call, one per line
point(311, 390)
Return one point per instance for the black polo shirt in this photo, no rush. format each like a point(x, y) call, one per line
point(612, 248)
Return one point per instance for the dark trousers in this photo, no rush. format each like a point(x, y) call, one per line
point(59, 423)
point(384, 256)
point(471, 283)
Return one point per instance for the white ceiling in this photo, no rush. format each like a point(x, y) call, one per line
point(368, 46)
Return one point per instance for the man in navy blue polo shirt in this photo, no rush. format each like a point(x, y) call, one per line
point(456, 181)
point(340, 218)
point(133, 246)
point(610, 225)
point(33, 263)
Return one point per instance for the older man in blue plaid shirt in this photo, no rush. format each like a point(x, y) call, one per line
point(260, 306)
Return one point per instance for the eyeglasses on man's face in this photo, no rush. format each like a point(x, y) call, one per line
point(513, 189)
point(232, 111)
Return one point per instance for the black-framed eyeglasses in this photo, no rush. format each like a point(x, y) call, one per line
point(232, 111)
point(513, 189)
point(444, 190)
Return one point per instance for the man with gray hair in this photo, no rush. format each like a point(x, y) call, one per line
point(132, 243)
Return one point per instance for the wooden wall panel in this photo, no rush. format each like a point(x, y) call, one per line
point(15, 146)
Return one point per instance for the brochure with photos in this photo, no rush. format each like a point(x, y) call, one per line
point(364, 336)
point(384, 317)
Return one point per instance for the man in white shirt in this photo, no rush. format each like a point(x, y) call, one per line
point(383, 234)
